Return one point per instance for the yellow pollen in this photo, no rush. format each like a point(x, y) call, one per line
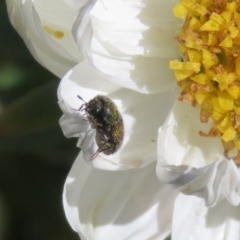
point(53, 32)
point(209, 73)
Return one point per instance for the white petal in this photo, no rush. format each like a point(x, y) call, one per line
point(131, 204)
point(132, 42)
point(136, 27)
point(13, 8)
point(142, 74)
point(46, 57)
point(180, 142)
point(52, 54)
point(193, 164)
point(206, 182)
point(84, 81)
point(76, 3)
point(231, 184)
point(57, 18)
point(82, 28)
point(140, 135)
point(191, 220)
point(73, 123)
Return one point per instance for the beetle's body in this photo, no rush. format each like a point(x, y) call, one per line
point(103, 115)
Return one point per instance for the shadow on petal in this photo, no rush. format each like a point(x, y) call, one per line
point(118, 205)
point(223, 211)
point(191, 219)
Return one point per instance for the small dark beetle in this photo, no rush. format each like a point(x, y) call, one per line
point(103, 115)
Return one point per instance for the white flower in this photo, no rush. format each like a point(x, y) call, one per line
point(127, 46)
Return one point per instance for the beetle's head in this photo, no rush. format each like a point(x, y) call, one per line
point(94, 106)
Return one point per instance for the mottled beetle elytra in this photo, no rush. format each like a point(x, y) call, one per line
point(103, 115)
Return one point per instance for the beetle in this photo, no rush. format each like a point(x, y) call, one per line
point(103, 115)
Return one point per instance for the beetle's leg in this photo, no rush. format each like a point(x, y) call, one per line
point(93, 122)
point(79, 109)
point(101, 149)
point(103, 134)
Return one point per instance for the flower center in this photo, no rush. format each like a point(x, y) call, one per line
point(209, 73)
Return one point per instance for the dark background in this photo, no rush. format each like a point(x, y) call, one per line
point(35, 157)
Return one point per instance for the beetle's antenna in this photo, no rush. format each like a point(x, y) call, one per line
point(80, 98)
point(81, 107)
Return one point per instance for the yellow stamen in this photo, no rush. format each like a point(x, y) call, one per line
point(209, 73)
